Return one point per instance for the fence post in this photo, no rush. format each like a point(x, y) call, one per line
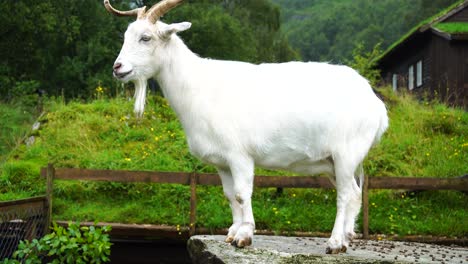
point(365, 208)
point(49, 191)
point(193, 202)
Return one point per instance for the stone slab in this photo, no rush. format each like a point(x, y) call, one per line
point(284, 250)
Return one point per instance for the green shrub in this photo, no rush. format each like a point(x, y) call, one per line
point(24, 93)
point(74, 244)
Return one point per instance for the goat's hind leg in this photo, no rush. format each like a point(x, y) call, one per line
point(354, 205)
point(228, 188)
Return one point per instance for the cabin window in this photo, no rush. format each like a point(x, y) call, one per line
point(411, 77)
point(395, 82)
point(419, 79)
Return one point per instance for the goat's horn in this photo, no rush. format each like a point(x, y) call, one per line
point(161, 8)
point(138, 12)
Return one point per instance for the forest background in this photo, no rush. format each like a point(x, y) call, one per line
point(66, 47)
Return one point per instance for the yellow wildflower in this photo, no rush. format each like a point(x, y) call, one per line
point(99, 89)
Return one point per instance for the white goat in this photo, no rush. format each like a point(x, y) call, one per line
point(303, 117)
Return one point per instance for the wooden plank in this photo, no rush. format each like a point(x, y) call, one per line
point(410, 183)
point(293, 182)
point(49, 194)
point(460, 184)
point(23, 201)
point(274, 181)
point(208, 179)
point(193, 203)
point(149, 231)
point(122, 176)
point(365, 208)
point(34, 203)
point(184, 178)
point(145, 231)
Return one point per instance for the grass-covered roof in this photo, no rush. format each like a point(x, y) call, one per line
point(452, 27)
point(437, 22)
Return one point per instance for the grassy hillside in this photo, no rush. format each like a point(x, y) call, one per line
point(423, 140)
point(15, 122)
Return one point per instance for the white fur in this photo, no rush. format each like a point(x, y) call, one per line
point(304, 117)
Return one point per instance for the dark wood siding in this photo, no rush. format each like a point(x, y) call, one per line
point(461, 72)
point(409, 54)
point(449, 69)
point(461, 16)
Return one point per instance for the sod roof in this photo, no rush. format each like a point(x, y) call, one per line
point(435, 23)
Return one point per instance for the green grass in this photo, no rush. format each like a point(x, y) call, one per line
point(15, 122)
point(423, 140)
point(453, 28)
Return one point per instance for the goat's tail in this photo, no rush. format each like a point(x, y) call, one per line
point(359, 175)
point(383, 125)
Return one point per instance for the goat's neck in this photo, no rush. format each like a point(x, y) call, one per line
point(177, 76)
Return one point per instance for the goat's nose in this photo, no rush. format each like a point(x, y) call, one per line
point(117, 66)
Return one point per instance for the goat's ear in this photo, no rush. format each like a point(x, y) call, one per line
point(168, 30)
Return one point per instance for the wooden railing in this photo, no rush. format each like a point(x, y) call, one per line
point(194, 179)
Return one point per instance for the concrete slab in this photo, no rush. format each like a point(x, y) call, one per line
point(278, 249)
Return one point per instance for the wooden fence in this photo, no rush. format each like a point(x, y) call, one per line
point(194, 179)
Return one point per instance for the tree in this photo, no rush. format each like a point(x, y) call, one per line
point(328, 30)
point(246, 30)
point(214, 33)
point(58, 44)
point(365, 63)
point(67, 47)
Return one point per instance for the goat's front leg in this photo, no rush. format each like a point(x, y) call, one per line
point(228, 188)
point(242, 170)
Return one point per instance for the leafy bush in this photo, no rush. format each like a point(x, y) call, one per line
point(365, 63)
point(74, 244)
point(24, 93)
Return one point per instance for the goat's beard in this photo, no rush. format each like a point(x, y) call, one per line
point(140, 97)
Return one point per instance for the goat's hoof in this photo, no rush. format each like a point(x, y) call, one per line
point(343, 249)
point(329, 250)
point(242, 243)
point(229, 239)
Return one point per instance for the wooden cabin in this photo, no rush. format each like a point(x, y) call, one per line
point(432, 59)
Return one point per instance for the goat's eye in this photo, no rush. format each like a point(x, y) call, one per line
point(145, 38)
